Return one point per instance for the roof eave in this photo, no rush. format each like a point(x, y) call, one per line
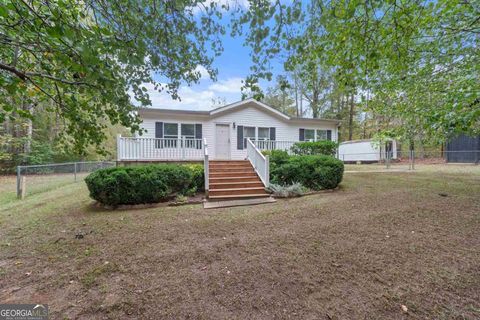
point(250, 100)
point(338, 122)
point(155, 111)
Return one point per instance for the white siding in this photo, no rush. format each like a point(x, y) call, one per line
point(250, 116)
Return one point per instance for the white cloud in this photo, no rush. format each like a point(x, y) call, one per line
point(198, 97)
point(203, 72)
point(190, 99)
point(231, 85)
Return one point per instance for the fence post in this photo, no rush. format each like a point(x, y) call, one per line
point(19, 189)
point(23, 181)
point(413, 159)
point(409, 159)
point(75, 171)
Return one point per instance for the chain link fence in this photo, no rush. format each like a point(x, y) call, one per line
point(407, 160)
point(40, 178)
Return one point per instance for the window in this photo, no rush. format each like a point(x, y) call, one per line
point(321, 135)
point(263, 133)
point(309, 135)
point(170, 134)
point(170, 131)
point(188, 133)
point(248, 132)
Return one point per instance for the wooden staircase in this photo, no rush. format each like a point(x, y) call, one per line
point(234, 179)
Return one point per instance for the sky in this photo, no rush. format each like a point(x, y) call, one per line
point(233, 67)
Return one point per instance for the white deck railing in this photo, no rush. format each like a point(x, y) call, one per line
point(260, 163)
point(205, 165)
point(274, 145)
point(130, 148)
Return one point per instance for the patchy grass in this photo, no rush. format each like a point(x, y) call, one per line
point(381, 241)
point(419, 167)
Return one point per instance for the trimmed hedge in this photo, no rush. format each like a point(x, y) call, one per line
point(143, 184)
point(314, 172)
point(324, 147)
point(198, 178)
point(277, 158)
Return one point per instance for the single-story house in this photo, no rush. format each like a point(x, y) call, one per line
point(228, 140)
point(176, 135)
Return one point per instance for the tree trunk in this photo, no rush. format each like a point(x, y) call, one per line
point(365, 127)
point(350, 117)
point(296, 95)
point(314, 104)
point(301, 103)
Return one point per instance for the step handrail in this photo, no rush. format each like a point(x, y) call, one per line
point(260, 163)
point(205, 165)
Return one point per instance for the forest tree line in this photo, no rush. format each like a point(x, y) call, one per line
point(69, 69)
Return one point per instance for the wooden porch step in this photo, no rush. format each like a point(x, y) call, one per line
point(227, 166)
point(243, 184)
point(228, 162)
point(249, 178)
point(232, 174)
point(230, 180)
point(236, 191)
point(220, 170)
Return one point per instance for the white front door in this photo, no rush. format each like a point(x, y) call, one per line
point(222, 141)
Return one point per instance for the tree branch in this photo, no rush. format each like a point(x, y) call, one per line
point(16, 72)
point(27, 75)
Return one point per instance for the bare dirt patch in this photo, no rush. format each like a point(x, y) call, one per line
point(378, 243)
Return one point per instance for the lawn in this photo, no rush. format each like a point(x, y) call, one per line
point(381, 241)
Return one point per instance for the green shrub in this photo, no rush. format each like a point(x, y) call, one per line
point(198, 179)
point(324, 147)
point(314, 172)
point(141, 184)
point(276, 157)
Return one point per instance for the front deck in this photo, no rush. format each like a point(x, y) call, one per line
point(154, 149)
point(132, 149)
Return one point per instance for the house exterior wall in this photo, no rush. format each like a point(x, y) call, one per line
point(250, 116)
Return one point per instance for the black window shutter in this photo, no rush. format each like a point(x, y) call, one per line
point(158, 129)
point(272, 133)
point(198, 131)
point(329, 135)
point(158, 134)
point(198, 135)
point(301, 135)
point(239, 137)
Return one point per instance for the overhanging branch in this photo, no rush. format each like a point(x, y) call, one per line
point(27, 75)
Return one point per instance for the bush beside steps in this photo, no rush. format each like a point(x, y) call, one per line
point(315, 172)
point(144, 184)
